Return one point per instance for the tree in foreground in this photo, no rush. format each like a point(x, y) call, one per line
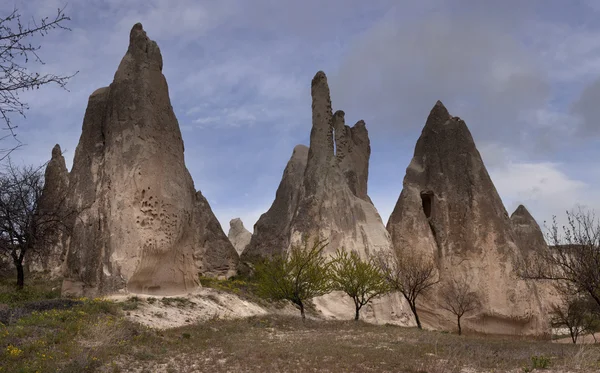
point(572, 257)
point(458, 298)
point(410, 273)
point(362, 280)
point(297, 276)
point(26, 230)
point(16, 51)
point(576, 312)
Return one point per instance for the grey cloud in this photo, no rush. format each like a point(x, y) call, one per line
point(396, 71)
point(587, 108)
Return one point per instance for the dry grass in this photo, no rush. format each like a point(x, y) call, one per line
point(95, 336)
point(285, 344)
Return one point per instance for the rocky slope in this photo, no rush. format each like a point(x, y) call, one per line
point(141, 226)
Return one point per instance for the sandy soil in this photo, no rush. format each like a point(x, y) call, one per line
point(202, 305)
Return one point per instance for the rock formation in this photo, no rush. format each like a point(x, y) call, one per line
point(141, 225)
point(53, 205)
point(450, 210)
point(272, 231)
point(238, 235)
point(214, 254)
point(323, 194)
point(528, 235)
point(530, 239)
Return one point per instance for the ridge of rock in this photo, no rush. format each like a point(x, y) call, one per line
point(141, 225)
point(449, 210)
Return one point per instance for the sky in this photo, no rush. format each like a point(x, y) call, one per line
point(524, 75)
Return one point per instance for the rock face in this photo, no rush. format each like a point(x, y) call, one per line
point(272, 231)
point(238, 235)
point(323, 194)
point(141, 225)
point(450, 210)
point(530, 239)
point(54, 202)
point(528, 235)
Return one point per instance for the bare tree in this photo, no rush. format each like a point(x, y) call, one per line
point(16, 51)
point(572, 257)
point(458, 298)
point(297, 276)
point(410, 273)
point(577, 312)
point(362, 280)
point(26, 230)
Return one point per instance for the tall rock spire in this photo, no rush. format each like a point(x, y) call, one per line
point(323, 195)
point(138, 227)
point(53, 203)
point(450, 210)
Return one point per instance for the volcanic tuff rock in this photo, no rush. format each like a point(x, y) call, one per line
point(238, 235)
point(530, 239)
point(529, 236)
point(450, 210)
point(141, 226)
point(53, 203)
point(323, 194)
point(272, 230)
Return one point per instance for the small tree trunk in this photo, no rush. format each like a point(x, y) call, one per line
point(356, 314)
point(20, 274)
point(301, 305)
point(414, 310)
point(573, 335)
point(459, 329)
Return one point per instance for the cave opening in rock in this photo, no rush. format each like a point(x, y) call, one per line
point(427, 202)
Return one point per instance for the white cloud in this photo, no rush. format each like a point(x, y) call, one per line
point(544, 188)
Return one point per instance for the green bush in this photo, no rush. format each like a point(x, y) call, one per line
point(540, 362)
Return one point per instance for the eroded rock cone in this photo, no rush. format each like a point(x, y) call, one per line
point(238, 235)
point(450, 211)
point(141, 226)
point(323, 195)
point(529, 236)
point(530, 239)
point(53, 207)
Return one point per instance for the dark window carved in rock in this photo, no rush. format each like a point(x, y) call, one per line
point(427, 203)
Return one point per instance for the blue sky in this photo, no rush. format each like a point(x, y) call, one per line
point(524, 75)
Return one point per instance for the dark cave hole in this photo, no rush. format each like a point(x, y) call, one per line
point(427, 202)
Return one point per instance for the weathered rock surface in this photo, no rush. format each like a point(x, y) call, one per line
point(323, 195)
point(323, 192)
point(272, 231)
point(53, 205)
point(141, 225)
point(450, 211)
point(238, 235)
point(528, 235)
point(530, 239)
point(214, 254)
